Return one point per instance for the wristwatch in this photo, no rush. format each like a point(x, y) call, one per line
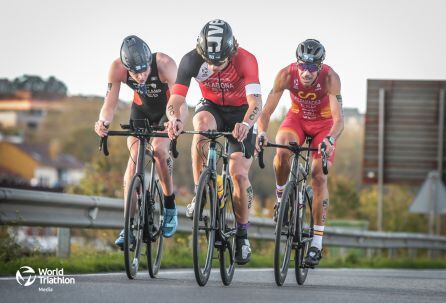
point(331, 140)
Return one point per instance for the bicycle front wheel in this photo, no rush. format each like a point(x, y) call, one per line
point(228, 229)
point(133, 226)
point(284, 234)
point(204, 227)
point(154, 248)
point(303, 235)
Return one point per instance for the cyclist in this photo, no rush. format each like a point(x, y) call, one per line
point(150, 76)
point(316, 111)
point(228, 78)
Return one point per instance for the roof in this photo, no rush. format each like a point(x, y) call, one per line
point(41, 154)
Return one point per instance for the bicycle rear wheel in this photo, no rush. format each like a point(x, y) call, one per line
point(303, 235)
point(154, 248)
point(132, 251)
point(204, 227)
point(228, 227)
point(284, 234)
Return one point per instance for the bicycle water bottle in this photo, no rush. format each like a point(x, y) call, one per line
point(220, 186)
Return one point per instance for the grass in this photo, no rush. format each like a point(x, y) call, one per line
point(178, 254)
point(181, 257)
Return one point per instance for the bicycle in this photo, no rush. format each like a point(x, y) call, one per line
point(214, 224)
point(145, 224)
point(294, 227)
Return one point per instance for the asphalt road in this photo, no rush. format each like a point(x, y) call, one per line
point(249, 285)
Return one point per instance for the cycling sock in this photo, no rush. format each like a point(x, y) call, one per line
point(317, 237)
point(169, 201)
point(279, 192)
point(195, 189)
point(242, 230)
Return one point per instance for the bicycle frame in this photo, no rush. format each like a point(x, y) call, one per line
point(300, 190)
point(212, 163)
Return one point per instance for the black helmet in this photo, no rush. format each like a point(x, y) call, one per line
point(135, 54)
point(310, 51)
point(215, 42)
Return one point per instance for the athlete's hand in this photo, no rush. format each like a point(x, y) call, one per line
point(240, 131)
point(329, 149)
point(174, 128)
point(261, 136)
point(101, 128)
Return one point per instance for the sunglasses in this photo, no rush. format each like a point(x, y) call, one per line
point(311, 67)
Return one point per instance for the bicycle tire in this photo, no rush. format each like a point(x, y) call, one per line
point(133, 252)
point(284, 227)
point(227, 248)
point(303, 233)
point(154, 247)
point(204, 213)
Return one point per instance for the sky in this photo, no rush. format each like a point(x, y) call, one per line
point(76, 41)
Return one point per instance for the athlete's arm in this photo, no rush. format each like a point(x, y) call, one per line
point(168, 73)
point(177, 98)
point(116, 74)
point(241, 130)
point(249, 70)
point(334, 95)
point(280, 84)
point(173, 112)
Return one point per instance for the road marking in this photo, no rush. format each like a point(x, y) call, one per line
point(247, 270)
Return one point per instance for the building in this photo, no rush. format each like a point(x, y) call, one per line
point(24, 112)
point(39, 165)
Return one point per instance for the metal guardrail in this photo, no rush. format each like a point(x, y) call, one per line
point(36, 208)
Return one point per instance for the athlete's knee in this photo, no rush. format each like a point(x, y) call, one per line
point(202, 121)
point(239, 176)
point(281, 158)
point(318, 178)
point(131, 165)
point(129, 171)
point(161, 153)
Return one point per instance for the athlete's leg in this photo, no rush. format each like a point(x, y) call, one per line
point(320, 192)
point(243, 193)
point(132, 145)
point(202, 121)
point(290, 131)
point(164, 164)
point(243, 199)
point(282, 163)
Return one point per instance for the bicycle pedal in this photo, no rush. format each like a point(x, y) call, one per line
point(305, 265)
point(218, 243)
point(306, 234)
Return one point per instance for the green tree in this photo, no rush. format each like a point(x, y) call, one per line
point(396, 216)
point(344, 198)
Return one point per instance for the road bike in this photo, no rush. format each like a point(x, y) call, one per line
point(294, 226)
point(145, 197)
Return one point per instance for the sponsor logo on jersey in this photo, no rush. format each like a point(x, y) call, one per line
point(296, 83)
point(203, 73)
point(307, 96)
